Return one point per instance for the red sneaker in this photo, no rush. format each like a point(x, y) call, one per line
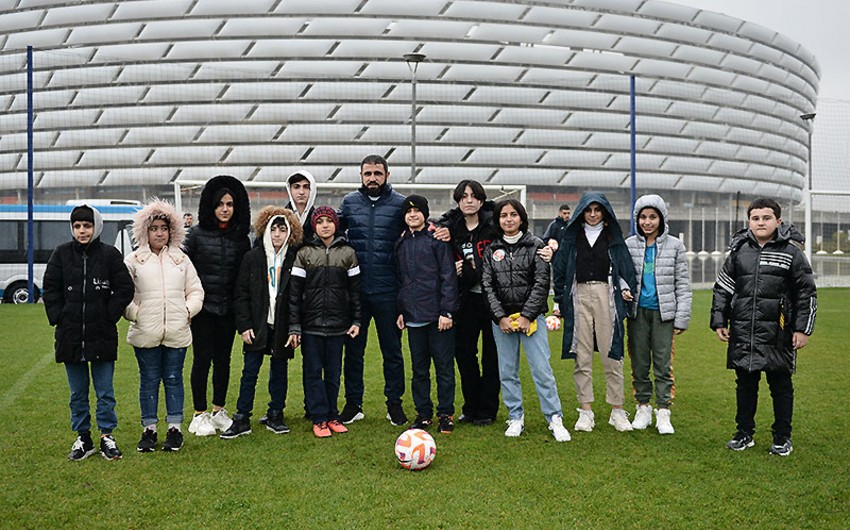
point(337, 427)
point(321, 430)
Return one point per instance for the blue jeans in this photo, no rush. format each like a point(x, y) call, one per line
point(78, 379)
point(537, 354)
point(278, 382)
point(161, 364)
point(427, 343)
point(382, 308)
point(322, 366)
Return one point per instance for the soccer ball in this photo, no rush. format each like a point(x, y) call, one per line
point(553, 323)
point(415, 449)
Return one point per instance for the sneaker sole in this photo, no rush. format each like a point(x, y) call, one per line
point(223, 437)
point(286, 431)
point(512, 435)
point(145, 450)
point(394, 424)
point(111, 458)
point(771, 451)
point(172, 449)
point(85, 455)
point(743, 448)
point(357, 417)
point(629, 429)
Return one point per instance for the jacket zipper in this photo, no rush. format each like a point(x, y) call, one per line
point(85, 277)
point(164, 300)
point(755, 306)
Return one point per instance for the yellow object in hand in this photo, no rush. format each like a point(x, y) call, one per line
point(532, 327)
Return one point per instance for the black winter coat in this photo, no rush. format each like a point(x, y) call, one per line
point(217, 253)
point(427, 277)
point(251, 302)
point(85, 292)
point(325, 292)
point(469, 245)
point(515, 278)
point(764, 295)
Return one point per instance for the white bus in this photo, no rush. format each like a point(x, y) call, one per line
point(51, 227)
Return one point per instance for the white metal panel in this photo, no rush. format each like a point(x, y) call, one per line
point(672, 144)
point(236, 70)
point(83, 138)
point(375, 49)
point(151, 9)
point(341, 69)
point(436, 155)
point(267, 27)
point(721, 151)
point(320, 133)
point(330, 90)
point(528, 118)
point(593, 179)
point(211, 112)
point(558, 138)
point(462, 51)
point(627, 25)
point(602, 62)
point(573, 158)
point(134, 115)
point(181, 155)
point(186, 28)
point(503, 156)
point(244, 133)
point(277, 90)
point(608, 140)
point(65, 119)
point(485, 10)
point(149, 74)
point(103, 33)
point(64, 179)
point(137, 51)
point(530, 176)
point(578, 39)
point(695, 54)
point(610, 5)
point(717, 20)
point(338, 27)
point(85, 76)
point(427, 8)
point(212, 49)
point(292, 112)
point(731, 43)
point(44, 38)
point(545, 55)
point(53, 159)
point(698, 183)
point(508, 95)
point(450, 174)
point(175, 135)
point(656, 181)
point(144, 176)
point(123, 156)
point(76, 14)
point(589, 120)
point(193, 92)
point(480, 72)
point(687, 165)
point(645, 46)
point(711, 76)
point(659, 68)
point(288, 49)
point(10, 22)
point(561, 16)
point(229, 7)
point(510, 33)
point(668, 10)
point(394, 112)
point(480, 135)
point(705, 130)
point(435, 29)
point(261, 154)
point(750, 84)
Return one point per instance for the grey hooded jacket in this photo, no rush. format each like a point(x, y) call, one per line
point(672, 280)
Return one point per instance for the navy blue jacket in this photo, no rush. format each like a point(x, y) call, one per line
point(427, 277)
point(373, 228)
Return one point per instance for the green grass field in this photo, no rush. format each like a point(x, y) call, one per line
point(480, 479)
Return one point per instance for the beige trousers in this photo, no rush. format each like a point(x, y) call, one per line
point(593, 315)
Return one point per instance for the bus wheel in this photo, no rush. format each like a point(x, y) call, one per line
point(18, 293)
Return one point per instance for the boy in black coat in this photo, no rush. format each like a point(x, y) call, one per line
point(261, 307)
point(427, 297)
point(86, 288)
point(764, 307)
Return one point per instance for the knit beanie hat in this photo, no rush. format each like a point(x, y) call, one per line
point(324, 211)
point(82, 213)
point(416, 201)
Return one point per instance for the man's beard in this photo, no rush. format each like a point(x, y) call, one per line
point(375, 192)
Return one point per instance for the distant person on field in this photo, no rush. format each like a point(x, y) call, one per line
point(594, 279)
point(216, 247)
point(324, 310)
point(552, 237)
point(663, 310)
point(373, 220)
point(86, 288)
point(168, 294)
point(516, 282)
point(764, 307)
point(188, 220)
point(261, 305)
point(427, 300)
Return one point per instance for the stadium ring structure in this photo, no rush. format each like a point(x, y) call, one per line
point(141, 93)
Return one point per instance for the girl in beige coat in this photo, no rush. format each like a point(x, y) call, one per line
point(168, 294)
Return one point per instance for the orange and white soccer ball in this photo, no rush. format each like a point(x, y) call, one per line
point(553, 323)
point(415, 449)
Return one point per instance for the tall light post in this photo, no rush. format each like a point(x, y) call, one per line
point(807, 191)
point(413, 60)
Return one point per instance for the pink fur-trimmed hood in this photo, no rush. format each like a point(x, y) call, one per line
point(158, 209)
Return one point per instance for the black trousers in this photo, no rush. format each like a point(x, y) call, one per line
point(782, 392)
point(212, 343)
point(479, 385)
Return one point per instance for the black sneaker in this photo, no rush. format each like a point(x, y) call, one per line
point(447, 424)
point(173, 440)
point(264, 419)
point(351, 413)
point(465, 418)
point(148, 442)
point(83, 447)
point(275, 423)
point(109, 449)
point(781, 447)
point(396, 415)
point(483, 422)
point(740, 442)
point(421, 422)
point(239, 427)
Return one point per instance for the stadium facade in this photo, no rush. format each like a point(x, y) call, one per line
point(131, 96)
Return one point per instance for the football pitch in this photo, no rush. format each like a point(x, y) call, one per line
point(480, 479)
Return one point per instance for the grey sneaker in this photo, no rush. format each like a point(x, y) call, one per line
point(83, 447)
point(740, 442)
point(781, 447)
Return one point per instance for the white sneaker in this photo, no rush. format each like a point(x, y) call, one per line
point(662, 421)
point(515, 427)
point(643, 417)
point(220, 420)
point(585, 421)
point(620, 420)
point(201, 425)
point(556, 425)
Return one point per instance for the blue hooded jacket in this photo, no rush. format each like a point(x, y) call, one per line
point(564, 268)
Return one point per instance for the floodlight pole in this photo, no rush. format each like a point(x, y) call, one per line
point(807, 191)
point(413, 60)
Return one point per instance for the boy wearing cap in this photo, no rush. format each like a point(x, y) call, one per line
point(86, 288)
point(427, 297)
point(324, 308)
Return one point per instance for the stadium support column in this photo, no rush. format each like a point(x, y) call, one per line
point(30, 183)
point(632, 155)
point(807, 191)
point(413, 60)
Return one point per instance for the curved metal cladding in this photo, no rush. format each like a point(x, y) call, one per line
point(145, 92)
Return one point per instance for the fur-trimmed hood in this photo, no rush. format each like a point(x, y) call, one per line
point(265, 215)
point(158, 209)
point(240, 224)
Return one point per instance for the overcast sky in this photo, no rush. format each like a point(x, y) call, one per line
point(819, 25)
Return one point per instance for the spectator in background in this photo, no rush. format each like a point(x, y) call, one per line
point(374, 220)
point(552, 237)
point(188, 220)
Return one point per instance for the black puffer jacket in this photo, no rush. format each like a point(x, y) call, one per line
point(217, 253)
point(764, 295)
point(469, 245)
point(86, 289)
point(515, 278)
point(325, 292)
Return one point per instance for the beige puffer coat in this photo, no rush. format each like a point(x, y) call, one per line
point(168, 290)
